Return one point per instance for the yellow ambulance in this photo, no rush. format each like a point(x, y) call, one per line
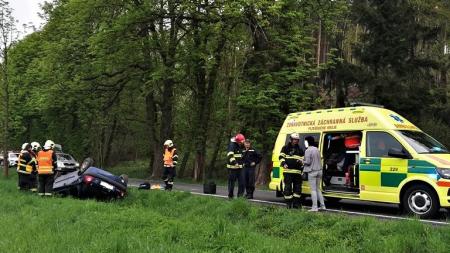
point(372, 154)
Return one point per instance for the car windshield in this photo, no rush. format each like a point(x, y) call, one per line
point(423, 143)
point(64, 157)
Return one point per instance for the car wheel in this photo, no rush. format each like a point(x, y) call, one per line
point(125, 178)
point(421, 200)
point(88, 162)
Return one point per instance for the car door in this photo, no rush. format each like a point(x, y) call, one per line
point(380, 173)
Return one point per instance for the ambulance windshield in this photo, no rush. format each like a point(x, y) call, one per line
point(422, 143)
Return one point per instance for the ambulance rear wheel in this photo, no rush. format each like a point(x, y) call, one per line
point(421, 200)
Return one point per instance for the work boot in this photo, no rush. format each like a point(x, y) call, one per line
point(289, 204)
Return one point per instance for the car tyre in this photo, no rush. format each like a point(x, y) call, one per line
point(125, 178)
point(421, 201)
point(87, 163)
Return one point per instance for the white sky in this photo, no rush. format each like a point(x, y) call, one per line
point(26, 12)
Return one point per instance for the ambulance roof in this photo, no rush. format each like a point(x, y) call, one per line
point(346, 119)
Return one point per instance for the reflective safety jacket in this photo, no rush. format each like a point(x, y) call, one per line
point(292, 155)
point(46, 162)
point(26, 163)
point(234, 156)
point(170, 157)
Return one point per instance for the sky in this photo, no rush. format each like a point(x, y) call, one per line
point(26, 11)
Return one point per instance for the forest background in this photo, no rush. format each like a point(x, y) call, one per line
point(113, 79)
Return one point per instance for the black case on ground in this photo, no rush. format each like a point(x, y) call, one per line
point(209, 188)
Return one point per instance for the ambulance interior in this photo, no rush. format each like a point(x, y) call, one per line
point(340, 154)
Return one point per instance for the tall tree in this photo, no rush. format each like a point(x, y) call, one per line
point(8, 35)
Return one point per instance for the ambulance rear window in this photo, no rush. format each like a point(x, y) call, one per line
point(423, 143)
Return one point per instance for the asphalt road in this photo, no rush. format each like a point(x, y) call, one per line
point(349, 207)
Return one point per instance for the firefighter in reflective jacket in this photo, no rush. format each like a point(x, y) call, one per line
point(25, 167)
point(46, 167)
point(291, 156)
point(35, 148)
point(234, 165)
point(170, 161)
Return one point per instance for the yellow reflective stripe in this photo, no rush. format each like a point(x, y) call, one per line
point(232, 159)
point(282, 154)
point(282, 160)
point(292, 171)
point(288, 197)
point(24, 167)
point(237, 155)
point(294, 157)
point(45, 169)
point(237, 166)
point(23, 172)
point(297, 195)
point(230, 153)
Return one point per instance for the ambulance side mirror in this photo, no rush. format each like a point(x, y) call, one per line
point(393, 152)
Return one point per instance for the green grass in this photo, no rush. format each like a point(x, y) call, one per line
point(158, 221)
point(134, 169)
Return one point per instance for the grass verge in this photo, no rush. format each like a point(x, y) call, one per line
point(157, 221)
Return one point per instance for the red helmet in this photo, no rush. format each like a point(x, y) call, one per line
point(239, 138)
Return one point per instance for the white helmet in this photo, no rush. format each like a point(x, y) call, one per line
point(49, 144)
point(168, 143)
point(25, 146)
point(35, 146)
point(295, 136)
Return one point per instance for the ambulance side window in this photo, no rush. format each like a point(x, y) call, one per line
point(379, 143)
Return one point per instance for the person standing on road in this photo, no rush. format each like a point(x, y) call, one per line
point(35, 148)
point(234, 165)
point(313, 169)
point(250, 158)
point(170, 161)
point(291, 160)
point(46, 168)
point(26, 165)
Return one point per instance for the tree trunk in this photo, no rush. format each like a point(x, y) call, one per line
point(155, 163)
point(263, 173)
point(110, 140)
point(212, 163)
point(319, 42)
point(183, 164)
point(6, 112)
point(205, 92)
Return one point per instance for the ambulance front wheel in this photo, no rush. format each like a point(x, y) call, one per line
point(421, 200)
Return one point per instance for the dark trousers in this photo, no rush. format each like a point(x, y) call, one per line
point(249, 179)
point(24, 181)
point(45, 186)
point(233, 175)
point(169, 174)
point(292, 189)
point(33, 181)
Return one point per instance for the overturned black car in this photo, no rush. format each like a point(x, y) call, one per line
point(91, 182)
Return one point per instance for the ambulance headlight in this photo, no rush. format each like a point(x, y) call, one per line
point(444, 172)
